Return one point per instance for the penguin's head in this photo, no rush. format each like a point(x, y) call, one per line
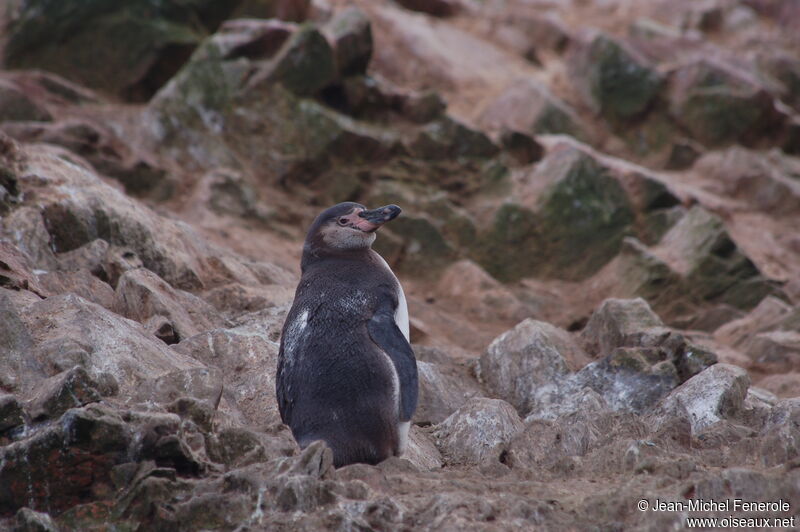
point(348, 226)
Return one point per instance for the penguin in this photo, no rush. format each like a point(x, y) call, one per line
point(346, 372)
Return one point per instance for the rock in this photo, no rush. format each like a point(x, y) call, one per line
point(66, 331)
point(553, 445)
point(81, 283)
point(30, 236)
point(544, 30)
point(710, 396)
point(64, 464)
point(780, 433)
point(785, 69)
point(351, 37)
point(777, 350)
point(576, 224)
point(478, 294)
point(782, 385)
point(437, 8)
point(765, 182)
point(617, 323)
point(198, 411)
point(683, 155)
point(521, 146)
point(304, 65)
point(230, 192)
point(447, 138)
point(28, 520)
point(613, 78)
point(56, 395)
point(15, 105)
point(439, 394)
point(636, 338)
point(767, 315)
point(256, 97)
point(95, 210)
point(719, 105)
point(77, 39)
point(236, 447)
point(477, 432)
point(10, 413)
point(248, 357)
point(711, 266)
point(421, 451)
point(142, 295)
point(524, 365)
point(625, 381)
point(638, 272)
point(529, 107)
point(204, 384)
point(105, 151)
point(16, 271)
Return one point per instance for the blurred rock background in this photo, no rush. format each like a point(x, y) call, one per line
point(599, 247)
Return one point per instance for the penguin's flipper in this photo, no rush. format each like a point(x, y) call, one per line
point(386, 334)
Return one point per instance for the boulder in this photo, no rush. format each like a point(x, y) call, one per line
point(719, 105)
point(16, 105)
point(255, 91)
point(10, 413)
point(530, 107)
point(304, 64)
point(28, 520)
point(780, 433)
point(440, 394)
point(784, 68)
point(711, 266)
point(448, 138)
point(56, 395)
point(96, 210)
point(614, 79)
point(618, 323)
point(65, 331)
point(247, 355)
point(774, 351)
point(79, 282)
point(437, 8)
point(710, 396)
point(526, 365)
point(91, 42)
point(421, 450)
point(764, 181)
point(142, 295)
point(351, 37)
point(769, 314)
point(522, 147)
point(477, 432)
point(105, 151)
point(572, 228)
point(64, 464)
point(478, 294)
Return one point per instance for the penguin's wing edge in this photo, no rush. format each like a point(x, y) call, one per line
point(386, 334)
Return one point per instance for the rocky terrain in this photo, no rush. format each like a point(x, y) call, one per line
point(599, 247)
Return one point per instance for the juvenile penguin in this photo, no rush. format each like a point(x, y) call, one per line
point(346, 371)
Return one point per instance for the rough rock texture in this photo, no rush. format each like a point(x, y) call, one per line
point(477, 431)
point(597, 247)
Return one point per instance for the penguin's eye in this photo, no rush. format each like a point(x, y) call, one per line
point(342, 221)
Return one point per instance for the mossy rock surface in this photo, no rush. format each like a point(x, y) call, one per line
point(620, 83)
point(129, 49)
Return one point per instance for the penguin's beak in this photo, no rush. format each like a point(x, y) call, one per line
point(372, 220)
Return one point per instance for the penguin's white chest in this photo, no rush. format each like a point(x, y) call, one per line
point(401, 313)
point(401, 319)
